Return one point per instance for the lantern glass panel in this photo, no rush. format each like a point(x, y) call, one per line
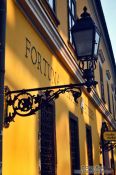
point(83, 42)
point(97, 38)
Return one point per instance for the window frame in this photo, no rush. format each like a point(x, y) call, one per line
point(101, 82)
point(113, 106)
point(52, 105)
point(89, 145)
point(53, 7)
point(73, 18)
point(108, 96)
point(75, 119)
point(52, 13)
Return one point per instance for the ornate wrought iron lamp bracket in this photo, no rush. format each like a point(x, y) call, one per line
point(27, 102)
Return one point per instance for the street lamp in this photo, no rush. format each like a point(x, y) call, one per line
point(86, 37)
point(86, 40)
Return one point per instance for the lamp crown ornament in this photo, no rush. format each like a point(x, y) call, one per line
point(85, 13)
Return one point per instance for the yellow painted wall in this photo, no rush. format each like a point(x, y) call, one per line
point(20, 144)
point(20, 141)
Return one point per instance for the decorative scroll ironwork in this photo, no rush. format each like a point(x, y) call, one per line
point(108, 146)
point(24, 103)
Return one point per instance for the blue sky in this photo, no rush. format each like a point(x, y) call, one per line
point(109, 9)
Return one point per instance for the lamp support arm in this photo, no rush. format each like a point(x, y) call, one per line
point(27, 102)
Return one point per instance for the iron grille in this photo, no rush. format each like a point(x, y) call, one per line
point(48, 149)
point(74, 144)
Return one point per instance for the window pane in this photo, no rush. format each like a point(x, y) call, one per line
point(108, 90)
point(113, 109)
point(96, 43)
point(72, 14)
point(73, 10)
point(51, 2)
point(70, 37)
point(70, 4)
point(84, 38)
point(70, 25)
point(101, 82)
point(72, 22)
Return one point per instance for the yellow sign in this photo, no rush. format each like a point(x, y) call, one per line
point(109, 135)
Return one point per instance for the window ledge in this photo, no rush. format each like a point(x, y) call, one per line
point(50, 12)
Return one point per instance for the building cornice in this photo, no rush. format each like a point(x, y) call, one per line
point(36, 15)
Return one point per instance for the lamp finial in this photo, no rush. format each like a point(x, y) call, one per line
point(85, 13)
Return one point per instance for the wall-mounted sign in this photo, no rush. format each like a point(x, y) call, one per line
point(109, 135)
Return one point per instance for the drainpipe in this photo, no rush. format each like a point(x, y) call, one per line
point(2, 69)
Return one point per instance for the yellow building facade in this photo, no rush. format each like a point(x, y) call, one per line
point(64, 136)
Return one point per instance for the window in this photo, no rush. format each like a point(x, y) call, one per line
point(108, 77)
point(112, 161)
point(52, 4)
point(89, 145)
point(74, 143)
point(108, 91)
point(101, 83)
point(48, 140)
point(50, 9)
point(113, 100)
point(113, 108)
point(71, 16)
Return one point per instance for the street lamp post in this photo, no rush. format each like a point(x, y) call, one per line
point(86, 38)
